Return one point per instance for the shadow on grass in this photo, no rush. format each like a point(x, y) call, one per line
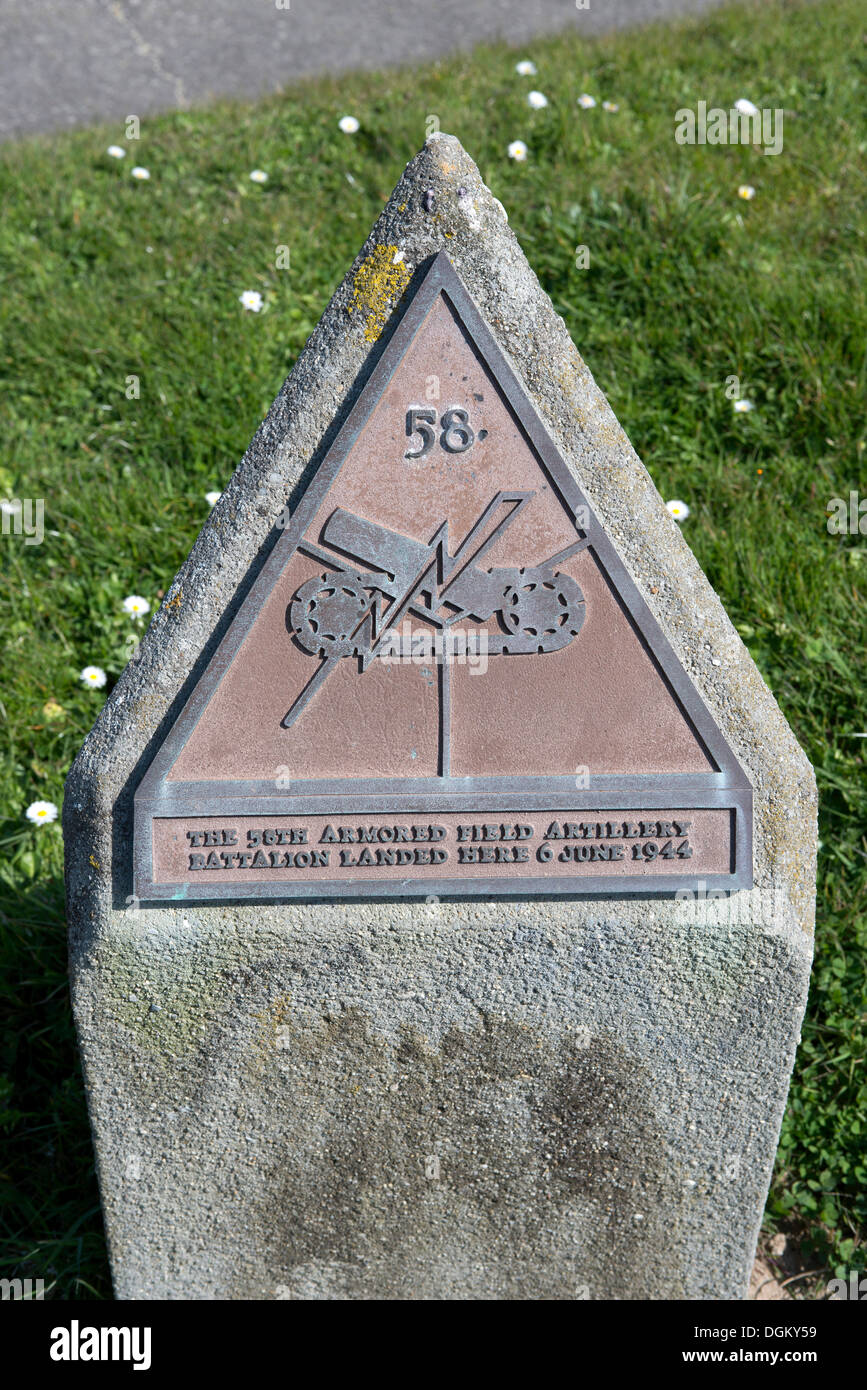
point(50, 1219)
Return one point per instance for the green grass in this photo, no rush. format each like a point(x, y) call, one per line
point(104, 278)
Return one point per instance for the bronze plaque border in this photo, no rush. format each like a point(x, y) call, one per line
point(727, 787)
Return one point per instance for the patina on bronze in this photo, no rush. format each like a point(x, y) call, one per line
point(443, 679)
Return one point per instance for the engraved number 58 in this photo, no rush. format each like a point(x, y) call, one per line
point(456, 435)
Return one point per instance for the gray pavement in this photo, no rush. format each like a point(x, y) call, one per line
point(74, 62)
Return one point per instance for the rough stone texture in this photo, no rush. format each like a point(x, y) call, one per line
point(603, 1081)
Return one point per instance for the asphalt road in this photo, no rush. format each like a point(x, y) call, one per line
point(75, 62)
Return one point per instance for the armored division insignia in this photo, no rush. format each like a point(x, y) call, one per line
point(442, 679)
point(343, 612)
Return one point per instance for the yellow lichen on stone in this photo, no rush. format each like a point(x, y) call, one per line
point(268, 1035)
point(378, 286)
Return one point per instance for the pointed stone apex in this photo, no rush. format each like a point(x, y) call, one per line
point(440, 205)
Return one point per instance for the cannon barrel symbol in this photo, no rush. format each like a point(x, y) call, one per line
point(348, 612)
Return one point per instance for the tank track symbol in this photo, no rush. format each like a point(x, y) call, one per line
point(349, 613)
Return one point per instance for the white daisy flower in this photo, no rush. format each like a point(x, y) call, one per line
point(746, 108)
point(41, 812)
point(586, 101)
point(742, 407)
point(747, 191)
point(259, 176)
point(610, 106)
point(212, 498)
point(537, 100)
point(679, 510)
point(139, 172)
point(93, 675)
point(251, 299)
point(349, 124)
point(517, 150)
point(525, 68)
point(116, 151)
point(136, 606)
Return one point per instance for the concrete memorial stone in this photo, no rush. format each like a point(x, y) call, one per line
point(441, 874)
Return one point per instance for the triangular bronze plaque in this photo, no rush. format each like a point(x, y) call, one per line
point(443, 681)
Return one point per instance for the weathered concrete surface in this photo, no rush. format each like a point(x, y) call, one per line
point(603, 1081)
